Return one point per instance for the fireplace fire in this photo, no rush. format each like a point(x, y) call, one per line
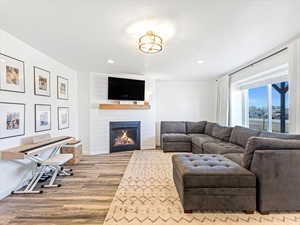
point(123, 139)
point(125, 136)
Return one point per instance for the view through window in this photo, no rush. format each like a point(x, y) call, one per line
point(268, 107)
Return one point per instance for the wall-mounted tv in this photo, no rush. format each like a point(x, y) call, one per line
point(126, 89)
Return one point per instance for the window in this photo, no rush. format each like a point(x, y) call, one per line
point(267, 107)
point(258, 108)
point(280, 109)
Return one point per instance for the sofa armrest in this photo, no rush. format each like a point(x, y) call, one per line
point(262, 143)
point(278, 179)
point(172, 127)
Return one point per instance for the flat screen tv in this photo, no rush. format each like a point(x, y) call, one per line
point(126, 89)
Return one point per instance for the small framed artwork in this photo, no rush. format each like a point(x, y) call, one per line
point(12, 74)
point(63, 118)
point(62, 88)
point(12, 119)
point(42, 117)
point(41, 81)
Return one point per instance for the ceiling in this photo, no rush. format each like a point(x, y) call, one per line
point(84, 34)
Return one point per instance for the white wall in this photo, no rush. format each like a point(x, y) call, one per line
point(170, 100)
point(84, 110)
point(9, 45)
point(95, 122)
point(99, 125)
point(185, 100)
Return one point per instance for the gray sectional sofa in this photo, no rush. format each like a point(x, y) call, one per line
point(273, 158)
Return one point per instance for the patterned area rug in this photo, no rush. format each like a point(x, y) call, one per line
point(148, 196)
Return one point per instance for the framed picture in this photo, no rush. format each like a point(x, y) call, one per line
point(63, 117)
point(41, 81)
point(12, 74)
point(12, 119)
point(42, 117)
point(62, 88)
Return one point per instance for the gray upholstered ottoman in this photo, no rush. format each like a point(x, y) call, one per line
point(212, 182)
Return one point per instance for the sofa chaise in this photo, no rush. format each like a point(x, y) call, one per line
point(273, 158)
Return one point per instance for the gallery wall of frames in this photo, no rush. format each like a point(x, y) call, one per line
point(38, 94)
point(13, 114)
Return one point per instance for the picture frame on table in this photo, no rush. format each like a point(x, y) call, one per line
point(12, 74)
point(12, 119)
point(63, 118)
point(42, 114)
point(62, 88)
point(42, 85)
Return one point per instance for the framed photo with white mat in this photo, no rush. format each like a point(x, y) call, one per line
point(41, 82)
point(42, 117)
point(63, 117)
point(12, 74)
point(12, 119)
point(62, 88)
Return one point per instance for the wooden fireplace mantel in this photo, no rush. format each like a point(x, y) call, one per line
point(124, 106)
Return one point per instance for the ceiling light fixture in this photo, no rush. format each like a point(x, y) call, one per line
point(150, 43)
point(110, 61)
point(200, 61)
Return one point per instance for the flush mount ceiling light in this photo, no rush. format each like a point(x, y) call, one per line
point(110, 61)
point(200, 61)
point(150, 43)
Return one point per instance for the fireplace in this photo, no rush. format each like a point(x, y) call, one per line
point(125, 136)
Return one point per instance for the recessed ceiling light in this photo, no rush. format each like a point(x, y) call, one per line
point(110, 61)
point(200, 61)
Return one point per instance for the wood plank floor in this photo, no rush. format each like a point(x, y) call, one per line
point(83, 199)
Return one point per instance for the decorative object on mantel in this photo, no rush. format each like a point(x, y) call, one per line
point(150, 43)
point(124, 106)
point(127, 102)
point(12, 74)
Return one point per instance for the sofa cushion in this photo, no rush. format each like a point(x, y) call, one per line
point(209, 127)
point(279, 135)
point(235, 157)
point(201, 139)
point(195, 127)
point(211, 171)
point(176, 147)
point(176, 138)
point(173, 127)
point(261, 143)
point(222, 148)
point(240, 135)
point(221, 132)
point(198, 135)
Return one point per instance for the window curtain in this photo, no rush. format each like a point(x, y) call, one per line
point(223, 92)
point(270, 70)
point(294, 82)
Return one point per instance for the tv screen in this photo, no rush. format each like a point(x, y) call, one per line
point(126, 89)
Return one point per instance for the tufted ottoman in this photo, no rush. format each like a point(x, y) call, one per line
point(212, 182)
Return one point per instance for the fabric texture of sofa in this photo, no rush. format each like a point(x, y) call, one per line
point(274, 158)
point(212, 182)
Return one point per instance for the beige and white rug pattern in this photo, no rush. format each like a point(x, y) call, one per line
point(148, 196)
